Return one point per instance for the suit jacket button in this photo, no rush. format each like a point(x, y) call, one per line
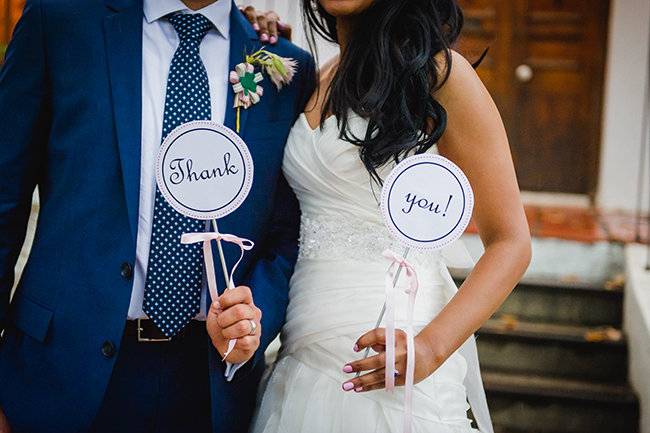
point(108, 349)
point(126, 270)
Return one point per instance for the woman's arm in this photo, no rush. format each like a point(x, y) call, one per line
point(476, 141)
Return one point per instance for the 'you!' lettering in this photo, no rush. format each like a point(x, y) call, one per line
point(424, 204)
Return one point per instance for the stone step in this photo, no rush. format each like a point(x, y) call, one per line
point(533, 404)
point(562, 302)
point(561, 351)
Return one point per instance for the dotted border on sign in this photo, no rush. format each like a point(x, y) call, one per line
point(235, 139)
point(460, 176)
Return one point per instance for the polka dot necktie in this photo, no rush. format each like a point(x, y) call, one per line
point(172, 294)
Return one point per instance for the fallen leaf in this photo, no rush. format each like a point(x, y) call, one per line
point(603, 334)
point(508, 321)
point(615, 283)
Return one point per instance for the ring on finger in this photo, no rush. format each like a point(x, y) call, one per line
point(395, 373)
point(253, 327)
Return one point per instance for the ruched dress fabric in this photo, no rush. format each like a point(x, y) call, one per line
point(336, 294)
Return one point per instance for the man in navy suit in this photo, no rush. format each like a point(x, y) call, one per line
point(88, 90)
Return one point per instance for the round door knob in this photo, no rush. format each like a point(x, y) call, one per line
point(524, 73)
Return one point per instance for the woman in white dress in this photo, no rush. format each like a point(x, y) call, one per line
point(396, 89)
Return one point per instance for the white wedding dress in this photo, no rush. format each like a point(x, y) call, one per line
point(336, 294)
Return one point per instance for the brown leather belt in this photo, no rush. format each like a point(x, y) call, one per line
point(147, 332)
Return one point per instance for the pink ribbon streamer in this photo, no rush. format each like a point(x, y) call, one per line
point(206, 238)
point(411, 290)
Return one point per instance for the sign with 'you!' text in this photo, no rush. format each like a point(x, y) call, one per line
point(427, 202)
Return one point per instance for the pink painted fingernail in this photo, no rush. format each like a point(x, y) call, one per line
point(256, 27)
point(356, 348)
point(359, 389)
point(264, 37)
point(273, 39)
point(281, 24)
point(347, 369)
point(348, 386)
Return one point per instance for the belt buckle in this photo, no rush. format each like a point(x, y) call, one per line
point(142, 339)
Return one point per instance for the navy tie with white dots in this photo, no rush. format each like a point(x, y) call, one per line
point(172, 294)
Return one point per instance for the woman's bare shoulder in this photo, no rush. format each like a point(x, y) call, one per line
point(462, 84)
point(462, 81)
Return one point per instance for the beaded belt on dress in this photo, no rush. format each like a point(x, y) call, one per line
point(343, 237)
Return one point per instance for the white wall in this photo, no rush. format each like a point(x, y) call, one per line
point(636, 324)
point(625, 95)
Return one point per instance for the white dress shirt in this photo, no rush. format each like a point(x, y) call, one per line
point(159, 42)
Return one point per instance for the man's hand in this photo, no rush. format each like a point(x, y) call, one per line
point(267, 24)
point(4, 424)
point(230, 317)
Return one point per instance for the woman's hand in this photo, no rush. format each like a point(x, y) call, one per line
point(426, 361)
point(267, 24)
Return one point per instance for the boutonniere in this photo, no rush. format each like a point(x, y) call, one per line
point(245, 80)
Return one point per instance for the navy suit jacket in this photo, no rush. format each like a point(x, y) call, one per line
point(70, 123)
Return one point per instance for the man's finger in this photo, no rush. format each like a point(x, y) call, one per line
point(215, 308)
point(235, 314)
point(238, 295)
point(247, 344)
point(240, 329)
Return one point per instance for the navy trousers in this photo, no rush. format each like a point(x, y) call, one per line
point(158, 387)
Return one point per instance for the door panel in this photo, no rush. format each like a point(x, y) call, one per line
point(545, 72)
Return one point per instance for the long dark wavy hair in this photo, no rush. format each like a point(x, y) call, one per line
point(387, 74)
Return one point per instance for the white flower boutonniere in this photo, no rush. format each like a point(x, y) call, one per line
point(245, 80)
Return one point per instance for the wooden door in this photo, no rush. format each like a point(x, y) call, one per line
point(545, 71)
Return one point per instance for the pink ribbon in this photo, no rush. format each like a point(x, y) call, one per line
point(411, 290)
point(206, 238)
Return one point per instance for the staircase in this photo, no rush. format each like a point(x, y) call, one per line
point(554, 360)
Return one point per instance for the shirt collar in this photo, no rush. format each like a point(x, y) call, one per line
point(218, 12)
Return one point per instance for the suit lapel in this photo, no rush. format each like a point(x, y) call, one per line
point(243, 39)
point(123, 34)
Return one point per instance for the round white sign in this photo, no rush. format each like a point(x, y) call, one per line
point(204, 170)
point(427, 202)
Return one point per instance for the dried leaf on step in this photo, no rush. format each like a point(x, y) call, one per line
point(615, 283)
point(508, 321)
point(603, 334)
